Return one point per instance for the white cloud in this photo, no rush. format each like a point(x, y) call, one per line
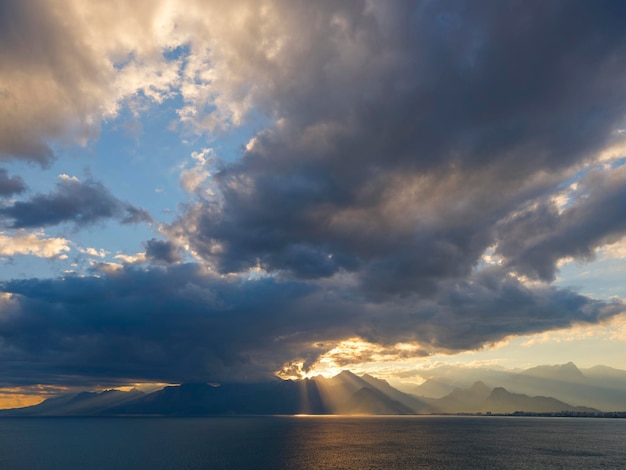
point(130, 259)
point(192, 178)
point(23, 243)
point(66, 177)
point(93, 252)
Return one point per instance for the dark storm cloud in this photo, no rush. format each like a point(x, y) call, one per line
point(178, 324)
point(73, 201)
point(162, 251)
point(160, 325)
point(398, 164)
point(10, 185)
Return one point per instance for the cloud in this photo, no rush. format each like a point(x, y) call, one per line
point(131, 259)
point(73, 201)
point(10, 185)
point(67, 65)
point(192, 178)
point(616, 250)
point(23, 243)
point(407, 135)
point(434, 77)
point(532, 241)
point(162, 252)
point(93, 252)
point(399, 143)
point(180, 324)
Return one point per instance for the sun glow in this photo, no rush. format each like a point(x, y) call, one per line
point(146, 387)
point(410, 363)
point(354, 354)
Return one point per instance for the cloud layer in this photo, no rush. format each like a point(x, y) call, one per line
point(180, 324)
point(421, 170)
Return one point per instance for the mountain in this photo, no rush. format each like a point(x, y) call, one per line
point(598, 387)
point(443, 379)
point(607, 377)
point(502, 401)
point(479, 398)
point(463, 400)
point(280, 397)
point(432, 388)
point(84, 403)
point(347, 393)
point(570, 384)
point(565, 373)
point(410, 401)
point(372, 402)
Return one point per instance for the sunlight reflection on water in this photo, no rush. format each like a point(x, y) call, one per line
point(312, 443)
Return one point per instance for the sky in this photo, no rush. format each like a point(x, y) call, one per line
point(214, 191)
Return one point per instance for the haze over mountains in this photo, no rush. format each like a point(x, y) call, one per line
point(543, 389)
point(598, 387)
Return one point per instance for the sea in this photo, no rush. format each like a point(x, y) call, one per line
point(313, 442)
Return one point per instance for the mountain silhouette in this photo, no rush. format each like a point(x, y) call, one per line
point(347, 393)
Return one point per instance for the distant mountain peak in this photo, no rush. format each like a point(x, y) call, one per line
point(480, 387)
point(570, 366)
point(346, 373)
point(568, 372)
point(499, 392)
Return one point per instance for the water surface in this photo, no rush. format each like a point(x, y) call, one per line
point(312, 443)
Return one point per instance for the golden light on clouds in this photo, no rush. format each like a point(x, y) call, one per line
point(410, 363)
point(354, 354)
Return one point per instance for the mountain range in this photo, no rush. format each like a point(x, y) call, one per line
point(598, 387)
point(347, 393)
